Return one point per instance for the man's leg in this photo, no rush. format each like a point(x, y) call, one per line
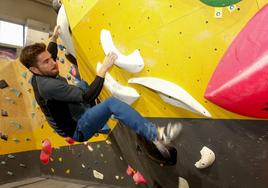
point(96, 117)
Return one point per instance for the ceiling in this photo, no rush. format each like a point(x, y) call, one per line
point(44, 2)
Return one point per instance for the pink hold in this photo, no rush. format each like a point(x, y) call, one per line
point(73, 71)
point(46, 147)
point(130, 171)
point(69, 140)
point(139, 179)
point(44, 158)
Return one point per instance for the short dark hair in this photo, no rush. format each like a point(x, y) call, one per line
point(28, 56)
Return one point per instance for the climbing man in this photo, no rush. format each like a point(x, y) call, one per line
point(67, 107)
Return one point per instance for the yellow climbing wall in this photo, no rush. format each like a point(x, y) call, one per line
point(24, 111)
point(180, 41)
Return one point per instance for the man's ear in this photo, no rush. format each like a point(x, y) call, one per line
point(34, 70)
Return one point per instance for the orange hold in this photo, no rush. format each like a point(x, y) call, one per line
point(130, 171)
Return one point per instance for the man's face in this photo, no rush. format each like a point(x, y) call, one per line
point(46, 65)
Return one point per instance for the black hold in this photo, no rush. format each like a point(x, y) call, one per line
point(3, 84)
point(215, 49)
point(4, 113)
point(238, 9)
point(3, 136)
point(138, 148)
point(27, 139)
point(157, 185)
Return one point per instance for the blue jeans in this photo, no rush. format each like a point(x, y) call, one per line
point(96, 117)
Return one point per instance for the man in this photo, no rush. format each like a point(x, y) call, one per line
point(67, 108)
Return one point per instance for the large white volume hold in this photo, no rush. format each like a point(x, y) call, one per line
point(133, 63)
point(65, 35)
point(183, 183)
point(207, 158)
point(172, 94)
point(123, 93)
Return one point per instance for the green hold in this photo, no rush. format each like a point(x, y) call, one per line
point(24, 74)
point(220, 3)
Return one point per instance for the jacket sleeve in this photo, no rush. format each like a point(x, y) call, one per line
point(56, 89)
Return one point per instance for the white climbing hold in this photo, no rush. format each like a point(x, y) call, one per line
point(117, 177)
point(126, 94)
point(22, 165)
point(132, 63)
point(183, 183)
point(108, 142)
point(11, 156)
point(89, 148)
point(98, 175)
point(65, 35)
point(10, 173)
point(172, 94)
point(207, 158)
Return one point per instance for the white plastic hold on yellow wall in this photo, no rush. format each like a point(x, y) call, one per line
point(132, 63)
point(123, 93)
point(65, 35)
point(172, 94)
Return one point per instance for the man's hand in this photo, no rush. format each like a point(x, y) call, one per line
point(55, 34)
point(108, 62)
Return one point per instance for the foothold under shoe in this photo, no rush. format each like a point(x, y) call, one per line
point(3, 84)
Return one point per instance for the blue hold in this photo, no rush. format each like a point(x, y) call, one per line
point(62, 60)
point(61, 47)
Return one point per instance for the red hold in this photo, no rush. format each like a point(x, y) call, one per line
point(46, 147)
point(44, 158)
point(69, 140)
point(139, 179)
